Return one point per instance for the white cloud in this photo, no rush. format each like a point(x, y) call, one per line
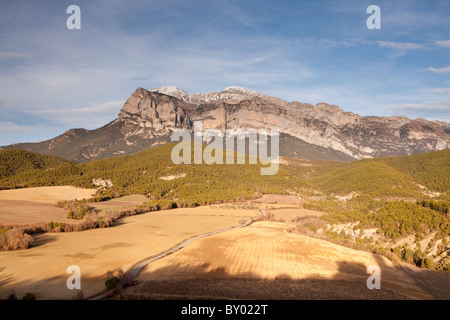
point(439, 70)
point(11, 132)
point(433, 110)
point(7, 126)
point(97, 108)
point(90, 117)
point(400, 45)
point(13, 55)
point(444, 43)
point(436, 90)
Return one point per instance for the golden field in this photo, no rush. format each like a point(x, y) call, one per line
point(271, 257)
point(19, 212)
point(42, 269)
point(288, 214)
point(119, 203)
point(47, 194)
point(36, 205)
point(262, 261)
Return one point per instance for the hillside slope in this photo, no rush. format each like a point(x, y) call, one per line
point(152, 172)
point(409, 176)
point(19, 168)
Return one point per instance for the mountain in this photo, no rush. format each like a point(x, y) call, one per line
point(322, 131)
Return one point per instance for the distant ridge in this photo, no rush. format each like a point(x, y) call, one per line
point(322, 131)
point(417, 176)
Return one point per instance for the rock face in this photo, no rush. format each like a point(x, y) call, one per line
point(322, 125)
point(148, 114)
point(322, 131)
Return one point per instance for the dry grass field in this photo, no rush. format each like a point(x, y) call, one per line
point(35, 205)
point(278, 199)
point(19, 212)
point(42, 269)
point(261, 261)
point(287, 214)
point(119, 203)
point(266, 253)
point(47, 194)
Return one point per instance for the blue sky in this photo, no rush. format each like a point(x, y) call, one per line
point(53, 79)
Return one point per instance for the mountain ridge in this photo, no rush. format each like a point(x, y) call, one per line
point(149, 116)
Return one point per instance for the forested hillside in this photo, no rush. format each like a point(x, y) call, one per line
point(408, 176)
point(150, 172)
point(430, 169)
point(19, 168)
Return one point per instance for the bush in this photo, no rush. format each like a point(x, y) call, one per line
point(15, 239)
point(446, 267)
point(56, 226)
point(112, 283)
point(392, 256)
point(116, 281)
point(428, 263)
point(12, 296)
point(408, 255)
point(29, 296)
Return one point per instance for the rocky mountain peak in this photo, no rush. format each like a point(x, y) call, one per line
point(174, 92)
point(154, 112)
point(149, 113)
point(233, 93)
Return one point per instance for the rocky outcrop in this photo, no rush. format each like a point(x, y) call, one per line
point(148, 114)
point(105, 184)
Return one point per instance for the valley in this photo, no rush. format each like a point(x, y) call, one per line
point(317, 226)
point(266, 258)
point(214, 152)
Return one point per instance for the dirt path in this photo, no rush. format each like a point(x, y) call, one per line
point(98, 251)
point(139, 266)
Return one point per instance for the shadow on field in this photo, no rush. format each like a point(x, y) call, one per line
point(118, 222)
point(53, 288)
point(185, 281)
point(178, 282)
point(43, 238)
point(202, 283)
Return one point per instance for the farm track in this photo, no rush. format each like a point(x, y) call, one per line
point(140, 265)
